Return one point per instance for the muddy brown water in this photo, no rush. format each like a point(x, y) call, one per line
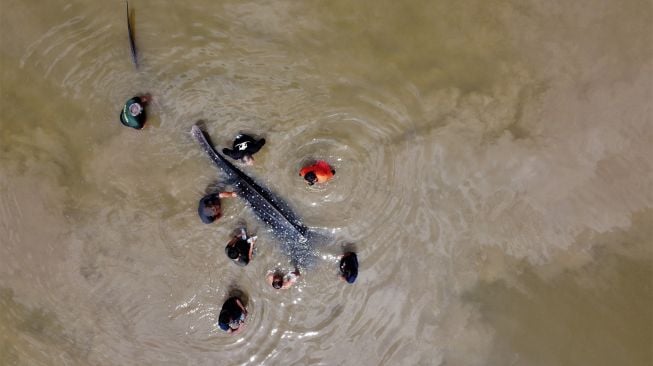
point(494, 174)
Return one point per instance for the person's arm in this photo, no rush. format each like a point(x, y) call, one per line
point(240, 329)
point(227, 194)
point(251, 242)
point(291, 278)
point(270, 278)
point(240, 305)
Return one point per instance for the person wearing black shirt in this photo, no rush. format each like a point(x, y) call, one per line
point(241, 248)
point(232, 316)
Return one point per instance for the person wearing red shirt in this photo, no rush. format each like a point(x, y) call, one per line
point(319, 172)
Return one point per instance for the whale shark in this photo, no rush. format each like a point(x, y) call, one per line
point(269, 208)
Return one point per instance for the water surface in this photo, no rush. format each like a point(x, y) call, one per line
point(493, 172)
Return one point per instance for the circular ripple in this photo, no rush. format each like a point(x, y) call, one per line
point(364, 206)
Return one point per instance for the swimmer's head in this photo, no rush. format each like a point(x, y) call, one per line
point(349, 267)
point(277, 281)
point(209, 209)
point(311, 178)
point(232, 252)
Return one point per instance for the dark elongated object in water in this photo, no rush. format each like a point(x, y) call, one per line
point(267, 207)
point(132, 44)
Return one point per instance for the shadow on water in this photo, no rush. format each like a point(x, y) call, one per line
point(571, 316)
point(22, 327)
point(566, 322)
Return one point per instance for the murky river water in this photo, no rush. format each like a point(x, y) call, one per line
point(494, 173)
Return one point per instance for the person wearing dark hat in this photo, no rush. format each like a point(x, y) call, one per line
point(232, 316)
point(133, 112)
point(319, 172)
point(244, 146)
point(278, 281)
point(349, 267)
point(241, 248)
point(209, 208)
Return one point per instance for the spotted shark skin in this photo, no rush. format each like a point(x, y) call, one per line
point(284, 224)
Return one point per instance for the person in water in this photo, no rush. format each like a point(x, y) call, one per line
point(209, 208)
point(232, 316)
point(133, 112)
point(277, 280)
point(241, 248)
point(349, 267)
point(244, 146)
point(319, 172)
